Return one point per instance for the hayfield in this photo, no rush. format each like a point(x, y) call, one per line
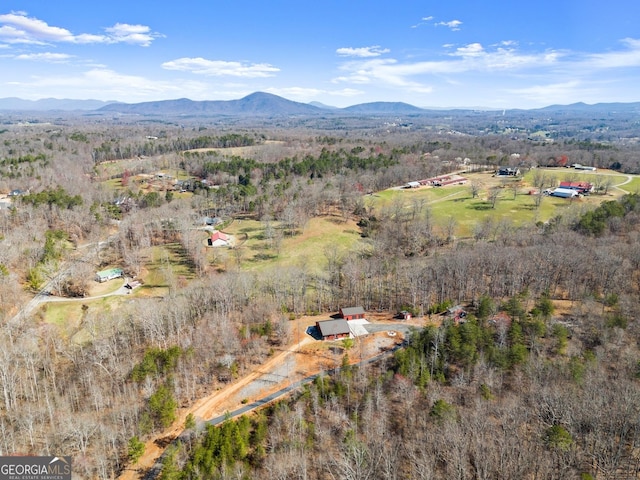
point(308, 246)
point(514, 205)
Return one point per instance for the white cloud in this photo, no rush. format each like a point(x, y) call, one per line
point(417, 76)
point(18, 28)
point(219, 68)
point(630, 57)
point(135, 34)
point(452, 24)
point(471, 50)
point(45, 57)
point(105, 84)
point(353, 78)
point(346, 92)
point(373, 51)
point(423, 21)
point(388, 72)
point(564, 92)
point(568, 76)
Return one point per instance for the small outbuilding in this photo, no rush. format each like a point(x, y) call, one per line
point(106, 275)
point(351, 313)
point(218, 239)
point(508, 172)
point(333, 329)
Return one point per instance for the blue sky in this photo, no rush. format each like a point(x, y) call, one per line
point(467, 53)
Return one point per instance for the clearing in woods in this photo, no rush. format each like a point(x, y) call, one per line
point(303, 357)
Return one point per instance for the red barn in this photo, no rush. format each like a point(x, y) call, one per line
point(582, 187)
point(351, 313)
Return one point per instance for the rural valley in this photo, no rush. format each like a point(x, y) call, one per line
point(265, 290)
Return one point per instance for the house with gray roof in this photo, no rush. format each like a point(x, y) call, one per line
point(333, 329)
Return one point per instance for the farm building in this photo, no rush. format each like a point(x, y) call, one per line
point(581, 187)
point(333, 329)
point(110, 274)
point(577, 166)
point(508, 172)
point(443, 180)
point(564, 193)
point(218, 239)
point(351, 313)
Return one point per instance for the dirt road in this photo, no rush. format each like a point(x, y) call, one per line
point(299, 360)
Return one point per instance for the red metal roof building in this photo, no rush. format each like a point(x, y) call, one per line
point(582, 187)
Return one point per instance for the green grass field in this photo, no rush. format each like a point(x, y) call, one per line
point(69, 316)
point(456, 202)
point(632, 187)
point(307, 247)
point(570, 175)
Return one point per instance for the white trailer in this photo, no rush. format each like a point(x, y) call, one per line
point(564, 193)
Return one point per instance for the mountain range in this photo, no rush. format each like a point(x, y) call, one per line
point(266, 105)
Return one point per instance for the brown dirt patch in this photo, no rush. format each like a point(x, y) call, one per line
point(306, 356)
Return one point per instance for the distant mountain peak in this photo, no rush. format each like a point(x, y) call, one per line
point(257, 103)
point(323, 106)
point(268, 105)
point(384, 107)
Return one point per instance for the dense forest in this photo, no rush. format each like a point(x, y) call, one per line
point(516, 390)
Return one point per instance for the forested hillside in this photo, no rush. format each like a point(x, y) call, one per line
point(539, 380)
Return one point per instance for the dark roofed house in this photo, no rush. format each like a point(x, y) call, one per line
point(508, 172)
point(351, 313)
point(333, 329)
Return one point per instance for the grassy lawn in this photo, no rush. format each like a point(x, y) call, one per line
point(306, 248)
point(387, 198)
point(632, 187)
point(518, 211)
point(68, 316)
point(105, 287)
point(456, 202)
point(164, 263)
point(570, 175)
